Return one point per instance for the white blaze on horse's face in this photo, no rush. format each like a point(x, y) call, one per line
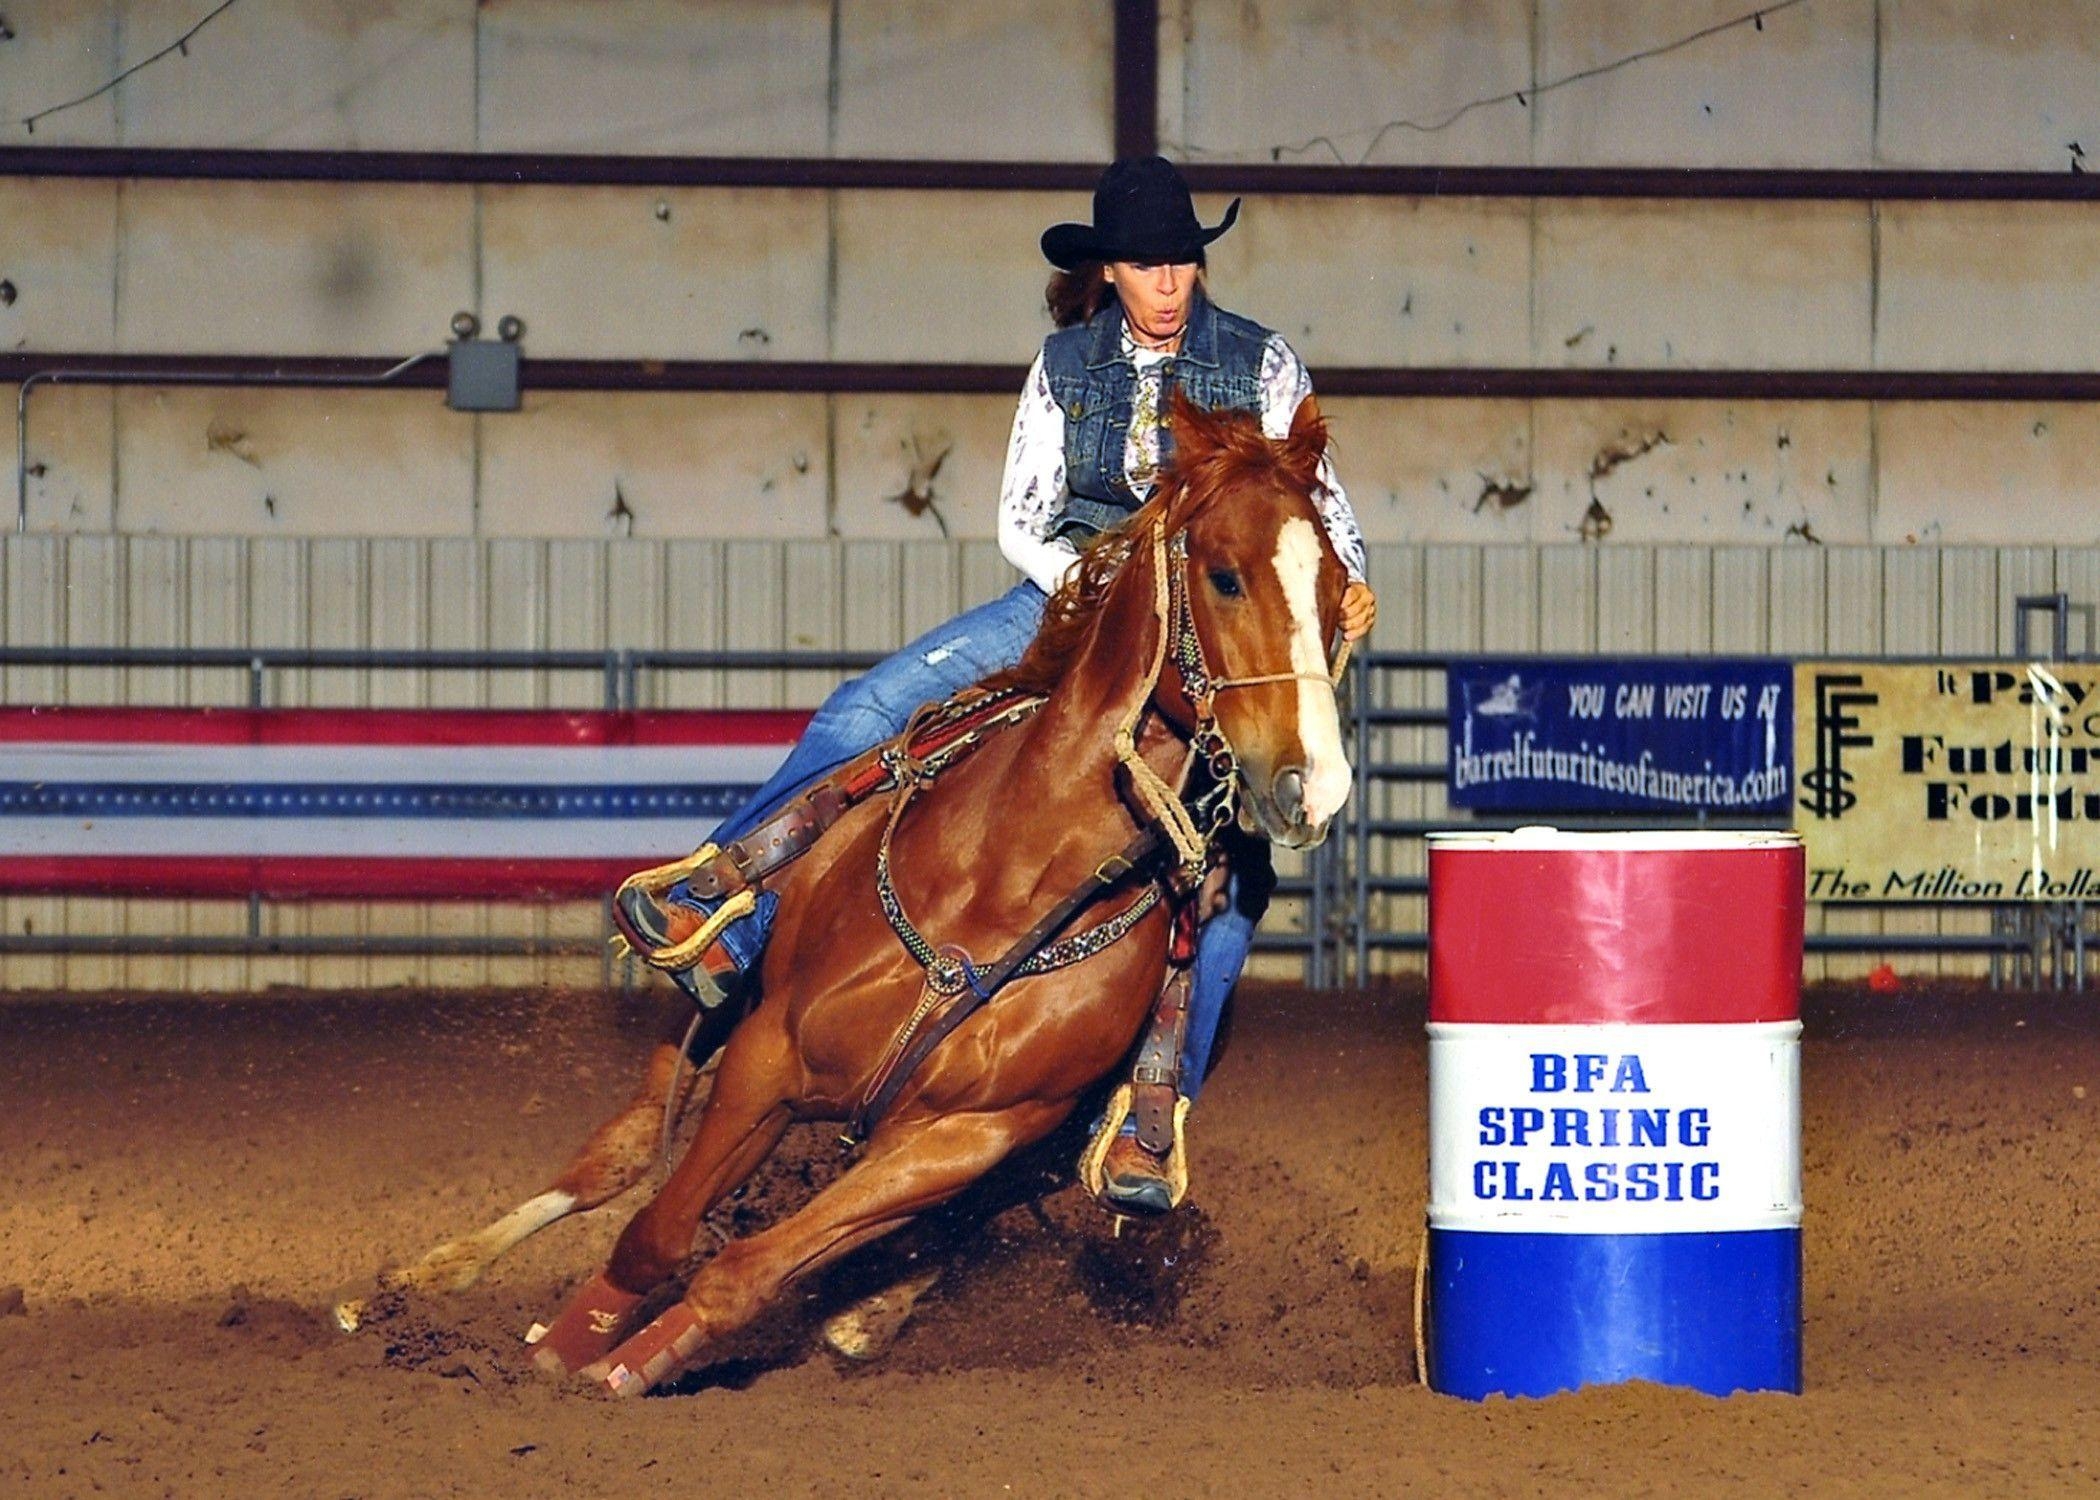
point(1323, 773)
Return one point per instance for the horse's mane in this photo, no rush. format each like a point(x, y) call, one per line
point(1215, 453)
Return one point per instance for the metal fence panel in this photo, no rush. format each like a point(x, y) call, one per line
point(627, 594)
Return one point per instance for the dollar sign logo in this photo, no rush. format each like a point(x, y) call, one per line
point(1838, 697)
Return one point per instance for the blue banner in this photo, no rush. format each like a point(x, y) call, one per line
point(1593, 734)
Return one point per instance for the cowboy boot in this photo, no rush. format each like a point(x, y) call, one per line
point(663, 922)
point(1138, 1161)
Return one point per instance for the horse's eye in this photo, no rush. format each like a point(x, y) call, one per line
point(1226, 582)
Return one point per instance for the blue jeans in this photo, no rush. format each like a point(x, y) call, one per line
point(869, 710)
point(866, 711)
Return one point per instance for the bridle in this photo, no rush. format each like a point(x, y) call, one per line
point(955, 985)
point(1193, 826)
point(1202, 688)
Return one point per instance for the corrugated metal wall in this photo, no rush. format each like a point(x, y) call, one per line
point(521, 594)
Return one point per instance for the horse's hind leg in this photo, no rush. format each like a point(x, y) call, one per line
point(924, 1163)
point(746, 1115)
point(618, 1155)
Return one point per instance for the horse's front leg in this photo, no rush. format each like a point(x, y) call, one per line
point(911, 1165)
point(747, 1112)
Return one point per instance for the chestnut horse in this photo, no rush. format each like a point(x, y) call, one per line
point(987, 848)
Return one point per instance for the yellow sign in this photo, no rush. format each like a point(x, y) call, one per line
point(1970, 782)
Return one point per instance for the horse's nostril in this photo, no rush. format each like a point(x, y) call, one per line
point(1289, 790)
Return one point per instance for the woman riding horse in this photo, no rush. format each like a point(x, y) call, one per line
point(923, 981)
point(1089, 439)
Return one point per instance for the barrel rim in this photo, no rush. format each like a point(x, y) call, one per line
point(1543, 837)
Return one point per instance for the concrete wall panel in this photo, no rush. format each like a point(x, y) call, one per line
point(1795, 90)
point(1748, 472)
point(391, 77)
point(1435, 470)
point(62, 50)
point(336, 463)
point(920, 467)
point(701, 273)
point(1381, 281)
point(72, 470)
point(999, 79)
point(944, 276)
point(1716, 285)
point(292, 268)
point(1994, 286)
point(598, 464)
point(2009, 85)
point(728, 78)
point(1316, 80)
point(1953, 472)
point(58, 247)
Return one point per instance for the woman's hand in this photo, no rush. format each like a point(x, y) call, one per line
point(1359, 610)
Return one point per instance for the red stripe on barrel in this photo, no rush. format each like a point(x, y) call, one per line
point(1615, 933)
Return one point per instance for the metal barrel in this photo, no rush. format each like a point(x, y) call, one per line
point(1615, 1119)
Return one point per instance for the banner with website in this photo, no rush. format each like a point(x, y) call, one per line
point(1949, 782)
point(1607, 734)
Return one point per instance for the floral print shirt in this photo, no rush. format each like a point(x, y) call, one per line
point(1033, 491)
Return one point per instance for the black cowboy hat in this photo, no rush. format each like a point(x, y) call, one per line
point(1142, 212)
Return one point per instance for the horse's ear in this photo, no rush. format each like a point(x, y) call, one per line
point(1197, 429)
point(1306, 443)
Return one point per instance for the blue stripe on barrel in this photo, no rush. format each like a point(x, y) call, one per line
point(1531, 1314)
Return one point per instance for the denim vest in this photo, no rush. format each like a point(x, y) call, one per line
point(1219, 366)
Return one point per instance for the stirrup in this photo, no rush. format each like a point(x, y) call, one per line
point(655, 881)
point(649, 884)
point(686, 953)
point(1092, 1160)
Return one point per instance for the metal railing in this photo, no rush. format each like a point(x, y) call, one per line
point(1349, 889)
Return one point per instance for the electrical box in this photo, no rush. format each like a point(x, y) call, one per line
point(483, 375)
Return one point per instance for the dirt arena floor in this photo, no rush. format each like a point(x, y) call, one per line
point(184, 1184)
